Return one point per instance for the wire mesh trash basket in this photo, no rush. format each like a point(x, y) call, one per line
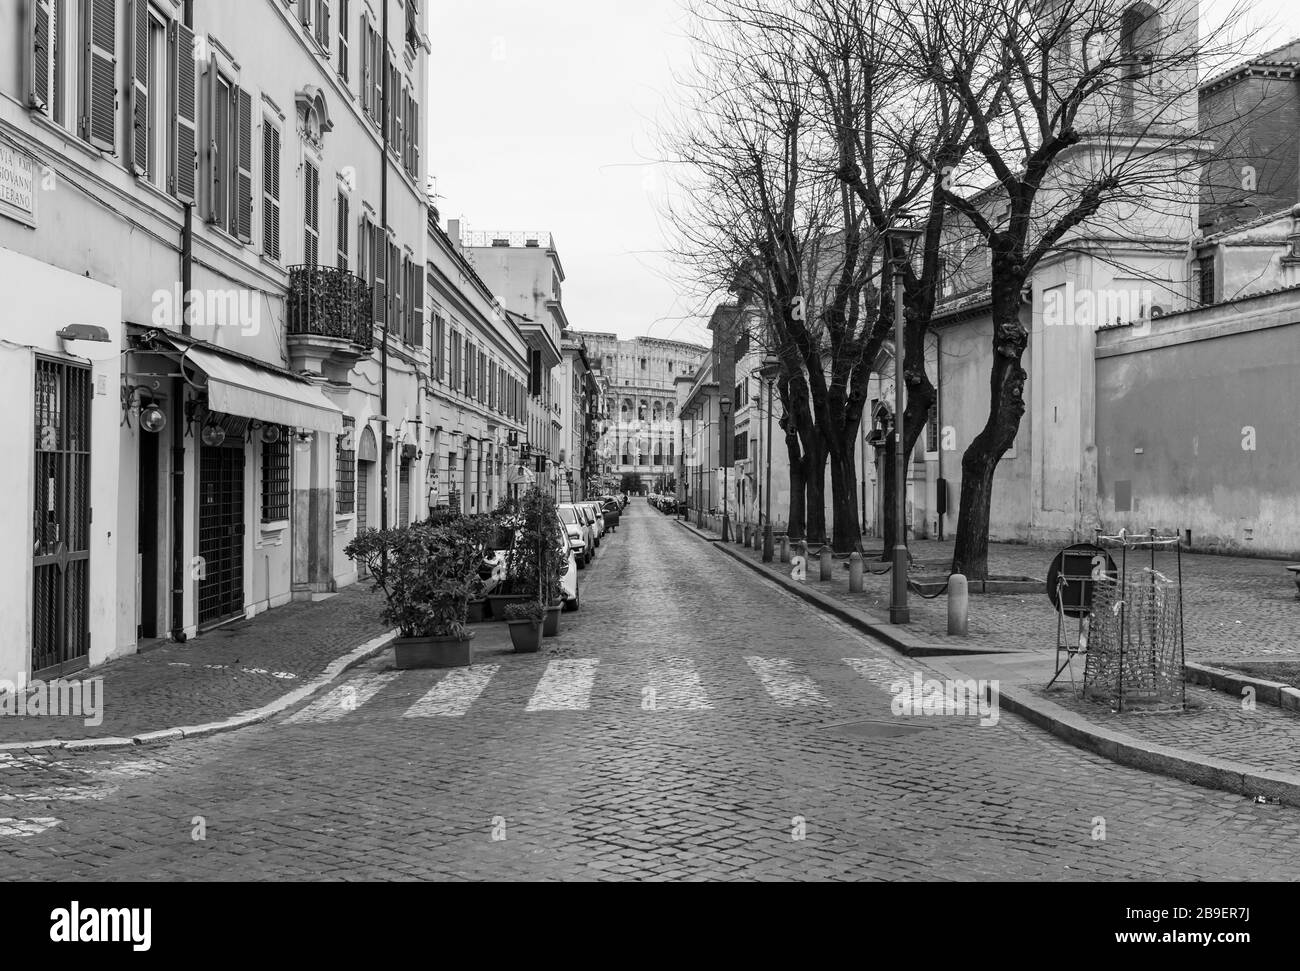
point(1136, 649)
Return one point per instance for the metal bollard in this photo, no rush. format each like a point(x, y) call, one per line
point(958, 605)
point(785, 549)
point(855, 572)
point(826, 564)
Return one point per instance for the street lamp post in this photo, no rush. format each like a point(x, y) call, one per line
point(769, 371)
point(724, 409)
point(902, 238)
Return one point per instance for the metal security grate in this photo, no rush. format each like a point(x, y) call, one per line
point(404, 493)
point(61, 518)
point(275, 479)
point(221, 531)
point(345, 470)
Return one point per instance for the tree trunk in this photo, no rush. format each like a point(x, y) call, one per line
point(815, 488)
point(847, 529)
point(797, 521)
point(970, 555)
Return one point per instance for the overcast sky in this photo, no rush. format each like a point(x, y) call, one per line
point(541, 117)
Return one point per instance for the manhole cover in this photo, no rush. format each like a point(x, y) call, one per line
point(870, 729)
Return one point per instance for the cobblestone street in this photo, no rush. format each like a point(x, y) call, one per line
point(692, 721)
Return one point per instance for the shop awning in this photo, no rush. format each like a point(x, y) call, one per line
point(237, 388)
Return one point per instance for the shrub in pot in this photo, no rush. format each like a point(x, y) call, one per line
point(525, 622)
point(421, 570)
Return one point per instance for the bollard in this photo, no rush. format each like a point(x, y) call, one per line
point(758, 539)
point(855, 572)
point(826, 565)
point(785, 549)
point(958, 604)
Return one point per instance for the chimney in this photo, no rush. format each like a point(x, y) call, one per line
point(453, 230)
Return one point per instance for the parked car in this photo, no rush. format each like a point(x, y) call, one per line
point(598, 515)
point(612, 513)
point(580, 530)
point(493, 570)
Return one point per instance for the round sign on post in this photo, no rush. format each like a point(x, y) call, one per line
point(1073, 576)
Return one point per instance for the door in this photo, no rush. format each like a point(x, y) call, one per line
point(147, 532)
point(404, 492)
point(221, 531)
point(61, 519)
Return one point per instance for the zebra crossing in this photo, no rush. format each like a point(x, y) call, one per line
point(87, 784)
point(570, 684)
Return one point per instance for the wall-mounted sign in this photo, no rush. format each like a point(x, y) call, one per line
point(17, 185)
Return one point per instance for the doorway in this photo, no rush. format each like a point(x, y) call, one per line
point(221, 531)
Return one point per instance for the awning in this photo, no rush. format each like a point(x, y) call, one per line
point(243, 389)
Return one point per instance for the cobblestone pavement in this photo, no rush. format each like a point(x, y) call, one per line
point(692, 722)
point(218, 674)
point(1235, 608)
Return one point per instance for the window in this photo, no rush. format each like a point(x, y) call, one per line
point(345, 469)
point(932, 428)
point(468, 387)
point(644, 364)
point(230, 154)
point(71, 67)
point(342, 230)
point(343, 39)
point(270, 190)
point(148, 68)
point(275, 479)
point(1205, 266)
point(742, 447)
point(311, 213)
point(322, 24)
point(438, 354)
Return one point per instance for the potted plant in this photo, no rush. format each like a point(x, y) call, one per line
point(535, 557)
point(421, 570)
point(474, 536)
point(525, 622)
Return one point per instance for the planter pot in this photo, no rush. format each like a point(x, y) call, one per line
point(432, 652)
point(551, 625)
point(525, 635)
point(500, 601)
point(476, 612)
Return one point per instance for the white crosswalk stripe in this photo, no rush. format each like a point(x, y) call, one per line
point(787, 686)
point(452, 696)
point(566, 686)
point(14, 828)
point(341, 701)
point(675, 686)
point(879, 671)
point(60, 794)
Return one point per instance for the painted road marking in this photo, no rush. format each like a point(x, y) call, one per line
point(61, 794)
point(14, 828)
point(566, 686)
point(789, 688)
point(675, 686)
point(878, 671)
point(342, 700)
point(452, 696)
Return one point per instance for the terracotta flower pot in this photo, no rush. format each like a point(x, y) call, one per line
point(525, 635)
point(476, 611)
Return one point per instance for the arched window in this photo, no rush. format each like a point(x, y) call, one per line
point(658, 413)
point(626, 411)
point(641, 411)
point(668, 411)
point(1139, 27)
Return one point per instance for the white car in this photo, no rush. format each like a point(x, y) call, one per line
point(493, 572)
point(582, 533)
point(598, 514)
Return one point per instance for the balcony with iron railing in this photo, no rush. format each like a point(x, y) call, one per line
point(330, 320)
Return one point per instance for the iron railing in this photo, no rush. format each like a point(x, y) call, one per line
point(328, 302)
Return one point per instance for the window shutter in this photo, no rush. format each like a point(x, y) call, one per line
point(38, 55)
point(377, 76)
point(367, 88)
point(343, 230)
point(213, 127)
point(102, 71)
point(415, 139)
point(270, 191)
point(343, 39)
point(363, 250)
point(323, 24)
point(184, 77)
point(417, 298)
point(311, 214)
point(138, 71)
point(377, 253)
point(244, 180)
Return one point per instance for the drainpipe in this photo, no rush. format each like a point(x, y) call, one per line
point(178, 415)
point(383, 222)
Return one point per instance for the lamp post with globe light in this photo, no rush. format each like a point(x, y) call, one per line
point(769, 371)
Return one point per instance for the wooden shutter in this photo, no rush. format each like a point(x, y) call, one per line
point(270, 191)
point(311, 214)
point(213, 133)
point(367, 88)
point(323, 24)
point(244, 177)
point(138, 72)
point(184, 122)
point(417, 301)
point(343, 39)
point(38, 54)
point(378, 253)
point(377, 76)
point(343, 230)
point(413, 135)
point(101, 71)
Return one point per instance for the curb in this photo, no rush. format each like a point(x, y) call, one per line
point(1202, 770)
point(899, 639)
point(253, 716)
point(1211, 773)
point(1274, 693)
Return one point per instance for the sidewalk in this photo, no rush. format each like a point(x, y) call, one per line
point(1241, 618)
point(227, 675)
